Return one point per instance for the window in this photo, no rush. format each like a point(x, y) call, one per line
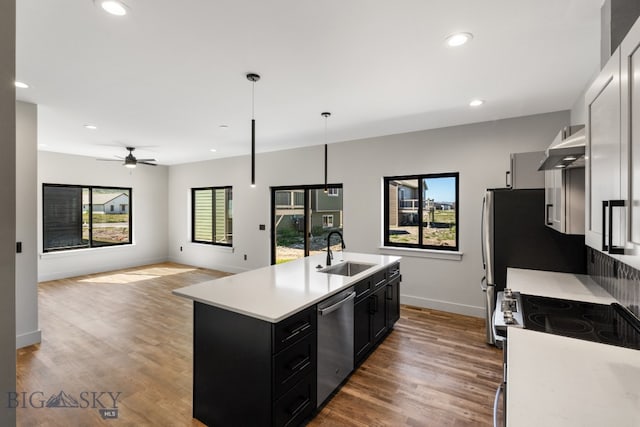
point(327, 221)
point(421, 211)
point(211, 217)
point(76, 216)
point(333, 192)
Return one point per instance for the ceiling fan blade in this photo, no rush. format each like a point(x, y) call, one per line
point(109, 160)
point(147, 163)
point(147, 160)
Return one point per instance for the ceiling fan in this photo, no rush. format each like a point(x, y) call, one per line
point(130, 160)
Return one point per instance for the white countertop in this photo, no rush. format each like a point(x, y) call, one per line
point(577, 287)
point(566, 382)
point(274, 293)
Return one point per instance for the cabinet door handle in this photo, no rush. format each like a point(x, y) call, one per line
point(389, 292)
point(605, 204)
point(617, 250)
point(296, 410)
point(300, 365)
point(506, 179)
point(303, 326)
point(379, 283)
point(549, 222)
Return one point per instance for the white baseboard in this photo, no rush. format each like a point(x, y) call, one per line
point(220, 267)
point(30, 338)
point(451, 307)
point(91, 268)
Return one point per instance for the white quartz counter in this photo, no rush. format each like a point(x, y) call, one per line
point(566, 382)
point(274, 293)
point(577, 287)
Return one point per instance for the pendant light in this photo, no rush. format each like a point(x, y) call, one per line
point(253, 78)
point(326, 115)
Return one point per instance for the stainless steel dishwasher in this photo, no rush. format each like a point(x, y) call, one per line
point(335, 342)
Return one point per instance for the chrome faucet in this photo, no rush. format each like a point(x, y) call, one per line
point(329, 254)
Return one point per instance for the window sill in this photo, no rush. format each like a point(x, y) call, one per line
point(84, 251)
point(423, 253)
point(217, 248)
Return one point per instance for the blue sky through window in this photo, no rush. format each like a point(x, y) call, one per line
point(441, 189)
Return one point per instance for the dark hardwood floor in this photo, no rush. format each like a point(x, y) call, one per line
point(125, 332)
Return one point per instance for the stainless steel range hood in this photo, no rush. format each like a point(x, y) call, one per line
point(566, 150)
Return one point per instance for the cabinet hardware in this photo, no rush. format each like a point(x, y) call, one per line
point(380, 283)
point(389, 292)
point(295, 331)
point(607, 228)
point(549, 222)
point(299, 408)
point(300, 365)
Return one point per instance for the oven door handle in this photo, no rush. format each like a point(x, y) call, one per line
point(496, 402)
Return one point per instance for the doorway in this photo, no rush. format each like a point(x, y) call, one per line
point(301, 219)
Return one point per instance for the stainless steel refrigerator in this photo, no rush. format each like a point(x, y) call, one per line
point(514, 235)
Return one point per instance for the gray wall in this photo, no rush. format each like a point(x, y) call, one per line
point(480, 152)
point(8, 213)
point(27, 329)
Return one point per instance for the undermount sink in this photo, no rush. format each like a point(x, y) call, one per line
point(347, 268)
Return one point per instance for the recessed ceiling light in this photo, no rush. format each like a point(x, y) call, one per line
point(458, 39)
point(476, 103)
point(114, 7)
point(21, 85)
point(91, 127)
point(213, 150)
point(224, 127)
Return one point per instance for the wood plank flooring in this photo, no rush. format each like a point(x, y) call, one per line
point(125, 332)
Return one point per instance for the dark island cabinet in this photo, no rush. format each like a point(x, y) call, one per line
point(377, 308)
point(250, 372)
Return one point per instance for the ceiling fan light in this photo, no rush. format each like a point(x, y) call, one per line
point(130, 165)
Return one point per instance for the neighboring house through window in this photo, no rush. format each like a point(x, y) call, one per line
point(421, 211)
point(74, 216)
point(211, 218)
point(327, 221)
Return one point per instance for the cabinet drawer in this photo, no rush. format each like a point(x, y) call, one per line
point(296, 405)
point(294, 363)
point(362, 288)
point(293, 328)
point(379, 279)
point(393, 271)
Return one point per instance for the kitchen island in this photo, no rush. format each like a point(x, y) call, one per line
point(256, 335)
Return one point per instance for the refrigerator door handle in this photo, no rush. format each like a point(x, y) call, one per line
point(484, 259)
point(483, 281)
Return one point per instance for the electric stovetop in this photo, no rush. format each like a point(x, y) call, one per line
point(607, 324)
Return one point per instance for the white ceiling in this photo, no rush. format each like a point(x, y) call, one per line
point(169, 73)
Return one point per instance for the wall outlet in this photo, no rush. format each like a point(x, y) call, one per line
point(180, 248)
point(245, 257)
point(262, 227)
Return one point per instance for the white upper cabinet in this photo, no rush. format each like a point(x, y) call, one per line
point(564, 200)
point(613, 155)
point(630, 138)
point(603, 156)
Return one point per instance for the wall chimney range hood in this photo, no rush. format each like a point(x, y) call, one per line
point(566, 150)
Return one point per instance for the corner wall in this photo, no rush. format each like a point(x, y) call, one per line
point(480, 152)
point(27, 328)
point(149, 210)
point(8, 213)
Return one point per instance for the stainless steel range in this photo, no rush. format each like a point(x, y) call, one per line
point(607, 324)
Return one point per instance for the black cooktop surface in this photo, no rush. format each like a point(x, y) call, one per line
point(607, 324)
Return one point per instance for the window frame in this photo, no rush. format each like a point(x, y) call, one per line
point(213, 216)
point(420, 178)
point(90, 217)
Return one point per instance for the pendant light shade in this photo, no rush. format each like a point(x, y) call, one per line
point(253, 78)
point(326, 115)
